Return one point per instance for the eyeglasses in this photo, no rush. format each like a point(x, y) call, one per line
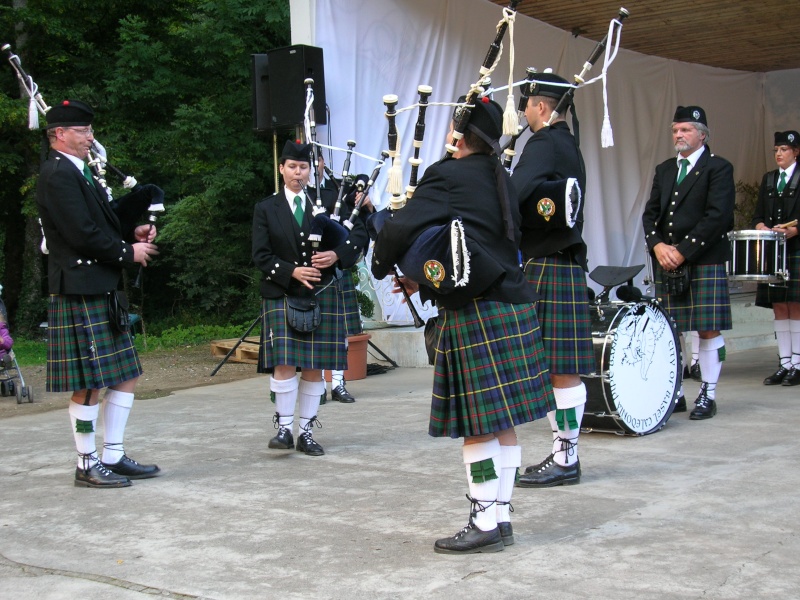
point(85, 131)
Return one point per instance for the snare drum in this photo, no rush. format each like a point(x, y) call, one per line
point(638, 378)
point(757, 256)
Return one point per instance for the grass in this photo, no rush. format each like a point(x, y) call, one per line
point(34, 352)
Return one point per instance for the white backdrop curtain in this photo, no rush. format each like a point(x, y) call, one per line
point(377, 47)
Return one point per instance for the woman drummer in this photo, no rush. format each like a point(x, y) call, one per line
point(778, 210)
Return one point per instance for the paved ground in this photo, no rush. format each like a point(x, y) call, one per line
point(697, 510)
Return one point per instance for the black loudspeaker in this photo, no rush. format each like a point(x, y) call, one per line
point(288, 69)
point(262, 115)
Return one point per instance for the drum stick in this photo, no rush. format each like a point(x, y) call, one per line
point(786, 225)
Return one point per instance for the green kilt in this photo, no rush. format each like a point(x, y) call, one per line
point(490, 371)
point(707, 304)
point(766, 294)
point(323, 348)
point(83, 350)
point(563, 312)
point(352, 313)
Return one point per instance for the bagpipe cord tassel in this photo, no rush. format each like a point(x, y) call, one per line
point(510, 118)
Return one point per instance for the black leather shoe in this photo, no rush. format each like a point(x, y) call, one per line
point(680, 405)
point(340, 394)
point(471, 540)
point(533, 468)
point(704, 408)
point(306, 443)
point(99, 477)
point(551, 474)
point(792, 378)
point(777, 377)
point(324, 398)
point(506, 533)
point(127, 467)
point(283, 441)
point(694, 372)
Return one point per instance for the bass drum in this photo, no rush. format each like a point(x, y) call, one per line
point(638, 379)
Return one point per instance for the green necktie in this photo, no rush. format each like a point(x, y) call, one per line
point(682, 173)
point(298, 210)
point(782, 182)
point(87, 173)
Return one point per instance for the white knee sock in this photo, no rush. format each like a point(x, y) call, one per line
point(695, 348)
point(510, 460)
point(565, 449)
point(710, 363)
point(309, 393)
point(794, 328)
point(783, 335)
point(285, 391)
point(116, 408)
point(483, 475)
point(337, 379)
point(84, 422)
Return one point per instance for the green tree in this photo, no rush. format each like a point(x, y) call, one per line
point(170, 83)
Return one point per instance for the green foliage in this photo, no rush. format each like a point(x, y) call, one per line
point(176, 337)
point(746, 200)
point(170, 84)
point(30, 352)
point(365, 303)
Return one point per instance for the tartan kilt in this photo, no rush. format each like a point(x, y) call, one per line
point(563, 312)
point(352, 312)
point(789, 292)
point(490, 371)
point(707, 304)
point(83, 350)
point(323, 348)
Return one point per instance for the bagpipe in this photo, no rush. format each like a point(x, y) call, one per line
point(444, 257)
point(142, 198)
point(329, 231)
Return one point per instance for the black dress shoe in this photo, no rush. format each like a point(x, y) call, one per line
point(506, 533)
point(340, 394)
point(471, 540)
point(283, 441)
point(704, 408)
point(533, 468)
point(99, 477)
point(694, 372)
point(680, 405)
point(551, 474)
point(777, 377)
point(323, 399)
point(127, 467)
point(792, 378)
point(687, 374)
point(306, 443)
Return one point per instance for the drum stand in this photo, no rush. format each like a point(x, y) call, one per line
point(235, 346)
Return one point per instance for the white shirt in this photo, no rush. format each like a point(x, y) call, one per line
point(692, 158)
point(290, 195)
point(788, 172)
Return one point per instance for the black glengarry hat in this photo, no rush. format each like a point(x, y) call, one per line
point(546, 84)
point(296, 151)
point(690, 114)
point(787, 138)
point(70, 113)
point(485, 119)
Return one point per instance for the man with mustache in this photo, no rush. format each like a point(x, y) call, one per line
point(686, 221)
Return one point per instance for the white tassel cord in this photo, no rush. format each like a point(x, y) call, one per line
point(510, 118)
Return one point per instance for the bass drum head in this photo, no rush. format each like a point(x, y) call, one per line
point(644, 367)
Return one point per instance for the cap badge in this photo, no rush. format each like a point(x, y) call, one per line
point(791, 137)
point(546, 208)
point(696, 114)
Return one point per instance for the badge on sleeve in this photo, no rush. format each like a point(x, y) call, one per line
point(546, 208)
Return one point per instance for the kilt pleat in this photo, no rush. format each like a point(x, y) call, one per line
point(352, 312)
point(83, 351)
point(707, 304)
point(490, 371)
point(563, 312)
point(323, 348)
point(789, 292)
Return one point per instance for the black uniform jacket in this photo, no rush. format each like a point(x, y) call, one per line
point(696, 215)
point(280, 245)
point(466, 188)
point(550, 154)
point(86, 240)
point(774, 208)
